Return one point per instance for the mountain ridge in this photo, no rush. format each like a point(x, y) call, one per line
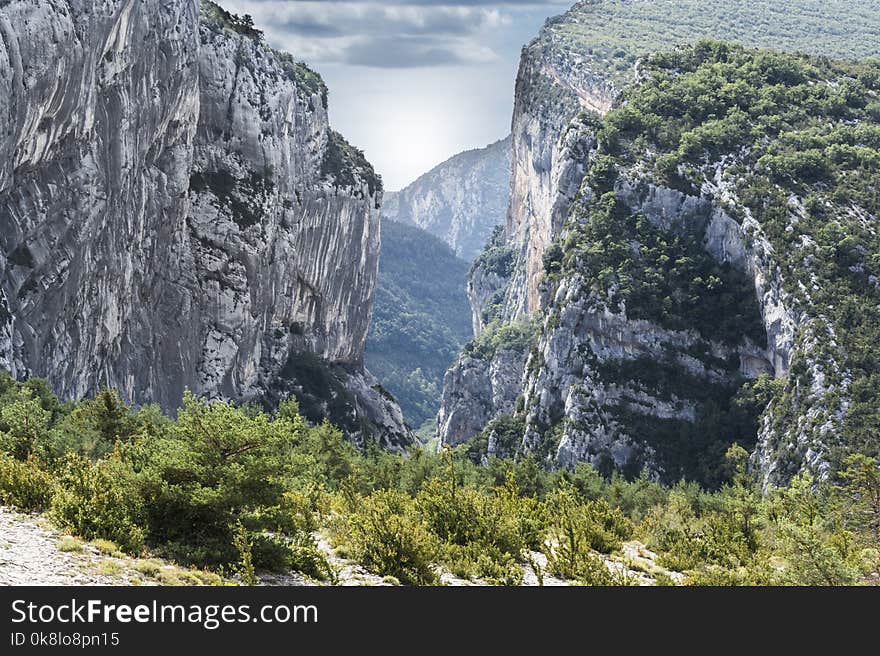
point(460, 200)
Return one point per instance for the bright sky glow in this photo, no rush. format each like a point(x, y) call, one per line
point(412, 82)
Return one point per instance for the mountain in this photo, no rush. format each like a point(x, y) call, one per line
point(460, 201)
point(177, 213)
point(656, 296)
point(421, 318)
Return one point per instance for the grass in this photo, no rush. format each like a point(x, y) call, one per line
point(149, 568)
point(106, 547)
point(109, 568)
point(69, 545)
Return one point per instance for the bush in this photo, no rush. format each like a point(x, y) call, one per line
point(577, 529)
point(305, 557)
point(23, 423)
point(24, 484)
point(100, 500)
point(388, 538)
point(215, 466)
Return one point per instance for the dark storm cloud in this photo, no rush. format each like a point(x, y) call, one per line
point(388, 33)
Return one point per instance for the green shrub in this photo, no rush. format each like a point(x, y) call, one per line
point(24, 422)
point(215, 466)
point(305, 557)
point(100, 500)
point(24, 484)
point(91, 429)
point(388, 538)
point(106, 547)
point(244, 546)
point(577, 529)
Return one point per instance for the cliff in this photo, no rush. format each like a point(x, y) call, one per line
point(593, 369)
point(177, 212)
point(460, 201)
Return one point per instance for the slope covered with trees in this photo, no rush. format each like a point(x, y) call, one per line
point(421, 318)
point(617, 32)
point(232, 488)
point(782, 152)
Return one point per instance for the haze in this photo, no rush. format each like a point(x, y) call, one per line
point(412, 82)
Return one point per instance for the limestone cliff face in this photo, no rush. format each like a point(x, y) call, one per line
point(553, 85)
point(626, 393)
point(599, 382)
point(460, 200)
point(598, 378)
point(175, 210)
point(477, 390)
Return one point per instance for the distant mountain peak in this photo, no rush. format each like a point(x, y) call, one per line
point(460, 200)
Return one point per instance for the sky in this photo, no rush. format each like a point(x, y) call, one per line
point(412, 82)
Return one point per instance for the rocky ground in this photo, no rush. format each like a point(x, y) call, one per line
point(34, 552)
point(29, 555)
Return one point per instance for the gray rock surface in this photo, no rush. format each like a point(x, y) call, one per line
point(477, 390)
point(460, 200)
point(175, 210)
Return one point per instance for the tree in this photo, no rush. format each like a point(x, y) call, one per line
point(93, 427)
point(743, 499)
point(25, 423)
point(862, 491)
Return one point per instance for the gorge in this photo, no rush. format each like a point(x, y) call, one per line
point(632, 343)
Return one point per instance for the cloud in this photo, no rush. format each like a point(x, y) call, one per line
point(350, 19)
point(384, 33)
point(412, 52)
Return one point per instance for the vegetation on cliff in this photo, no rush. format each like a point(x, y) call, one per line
point(796, 141)
point(612, 34)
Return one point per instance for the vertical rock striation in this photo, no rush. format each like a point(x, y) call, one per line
point(176, 212)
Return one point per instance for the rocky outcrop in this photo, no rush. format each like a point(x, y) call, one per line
point(552, 87)
point(460, 200)
point(176, 211)
point(600, 383)
point(634, 395)
point(585, 386)
point(477, 390)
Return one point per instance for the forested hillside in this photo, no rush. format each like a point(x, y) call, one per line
point(616, 32)
point(421, 318)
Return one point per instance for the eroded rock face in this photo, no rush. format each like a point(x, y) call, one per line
point(617, 391)
point(460, 200)
point(548, 164)
point(590, 387)
point(477, 390)
point(175, 210)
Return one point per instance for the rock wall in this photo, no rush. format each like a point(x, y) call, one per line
point(571, 404)
point(175, 210)
point(552, 87)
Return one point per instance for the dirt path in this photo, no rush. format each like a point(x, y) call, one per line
point(33, 552)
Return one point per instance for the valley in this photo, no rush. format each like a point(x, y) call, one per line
point(631, 343)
